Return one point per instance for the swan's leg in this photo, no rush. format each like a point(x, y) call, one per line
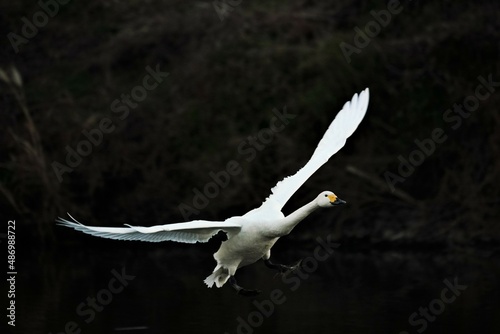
point(282, 268)
point(240, 290)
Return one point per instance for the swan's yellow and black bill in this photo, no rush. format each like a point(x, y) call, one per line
point(334, 200)
point(338, 201)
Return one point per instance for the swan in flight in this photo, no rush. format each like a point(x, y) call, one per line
point(250, 237)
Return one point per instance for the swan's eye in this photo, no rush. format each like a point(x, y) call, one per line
point(326, 195)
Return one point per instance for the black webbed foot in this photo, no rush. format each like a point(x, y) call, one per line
point(242, 291)
point(282, 268)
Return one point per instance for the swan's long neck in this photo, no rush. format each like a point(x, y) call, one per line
point(290, 221)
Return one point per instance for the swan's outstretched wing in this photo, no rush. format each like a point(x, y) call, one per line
point(343, 126)
point(190, 232)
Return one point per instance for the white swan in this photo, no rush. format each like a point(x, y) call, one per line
point(251, 236)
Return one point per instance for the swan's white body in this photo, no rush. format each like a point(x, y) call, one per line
point(251, 236)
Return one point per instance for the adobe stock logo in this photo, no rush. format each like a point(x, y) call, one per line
point(363, 37)
point(436, 306)
point(29, 30)
point(454, 117)
point(248, 149)
point(87, 309)
point(225, 7)
point(265, 308)
point(121, 109)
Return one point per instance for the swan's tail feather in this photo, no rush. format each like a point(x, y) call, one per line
point(219, 277)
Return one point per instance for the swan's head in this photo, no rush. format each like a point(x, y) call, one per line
point(327, 199)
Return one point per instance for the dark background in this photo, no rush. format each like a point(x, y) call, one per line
point(225, 79)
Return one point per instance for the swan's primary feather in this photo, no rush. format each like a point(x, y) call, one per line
point(190, 232)
point(341, 128)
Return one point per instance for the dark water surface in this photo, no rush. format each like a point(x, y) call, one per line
point(161, 290)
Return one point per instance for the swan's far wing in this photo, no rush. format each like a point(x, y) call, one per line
point(343, 126)
point(190, 232)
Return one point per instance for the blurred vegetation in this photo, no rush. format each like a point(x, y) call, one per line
point(225, 80)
